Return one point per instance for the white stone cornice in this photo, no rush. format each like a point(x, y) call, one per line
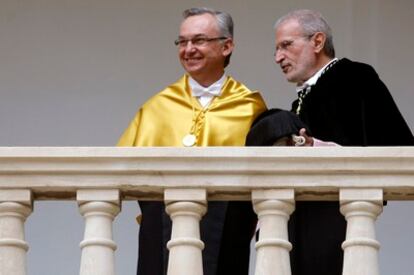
point(229, 172)
point(187, 178)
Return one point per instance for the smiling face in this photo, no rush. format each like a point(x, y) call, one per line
point(204, 63)
point(295, 52)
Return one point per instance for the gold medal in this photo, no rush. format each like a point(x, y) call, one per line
point(189, 140)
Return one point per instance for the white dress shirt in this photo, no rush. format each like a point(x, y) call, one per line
point(312, 81)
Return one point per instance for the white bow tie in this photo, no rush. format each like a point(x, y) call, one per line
point(213, 90)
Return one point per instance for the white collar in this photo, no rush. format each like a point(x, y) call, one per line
point(312, 81)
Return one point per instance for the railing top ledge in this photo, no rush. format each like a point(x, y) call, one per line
point(208, 152)
point(226, 172)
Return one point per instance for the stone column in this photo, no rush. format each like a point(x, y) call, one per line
point(361, 208)
point(273, 208)
point(99, 208)
point(15, 207)
point(185, 207)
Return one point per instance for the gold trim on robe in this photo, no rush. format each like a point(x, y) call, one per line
point(173, 113)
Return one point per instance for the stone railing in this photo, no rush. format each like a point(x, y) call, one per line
point(272, 178)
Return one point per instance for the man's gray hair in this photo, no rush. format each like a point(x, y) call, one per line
point(311, 23)
point(224, 22)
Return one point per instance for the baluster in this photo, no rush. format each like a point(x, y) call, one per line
point(185, 207)
point(361, 208)
point(15, 207)
point(99, 208)
point(273, 208)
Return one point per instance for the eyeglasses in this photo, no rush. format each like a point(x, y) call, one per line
point(285, 45)
point(196, 41)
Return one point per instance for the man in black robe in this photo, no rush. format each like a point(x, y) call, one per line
point(340, 101)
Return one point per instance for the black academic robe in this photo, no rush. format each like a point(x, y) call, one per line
point(351, 106)
point(225, 254)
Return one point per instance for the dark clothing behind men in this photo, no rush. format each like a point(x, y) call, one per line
point(351, 106)
point(227, 251)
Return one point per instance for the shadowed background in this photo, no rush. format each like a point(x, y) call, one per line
point(74, 72)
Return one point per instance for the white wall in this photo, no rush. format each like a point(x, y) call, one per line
point(73, 73)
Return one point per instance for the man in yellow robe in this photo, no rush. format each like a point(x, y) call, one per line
point(203, 108)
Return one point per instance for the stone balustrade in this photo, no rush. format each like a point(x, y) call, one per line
point(273, 178)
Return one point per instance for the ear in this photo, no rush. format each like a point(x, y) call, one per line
point(228, 47)
point(319, 39)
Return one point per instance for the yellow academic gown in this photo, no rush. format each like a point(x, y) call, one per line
point(164, 120)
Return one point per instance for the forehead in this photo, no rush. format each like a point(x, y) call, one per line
point(199, 24)
point(288, 29)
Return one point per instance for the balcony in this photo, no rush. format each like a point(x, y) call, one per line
point(185, 179)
